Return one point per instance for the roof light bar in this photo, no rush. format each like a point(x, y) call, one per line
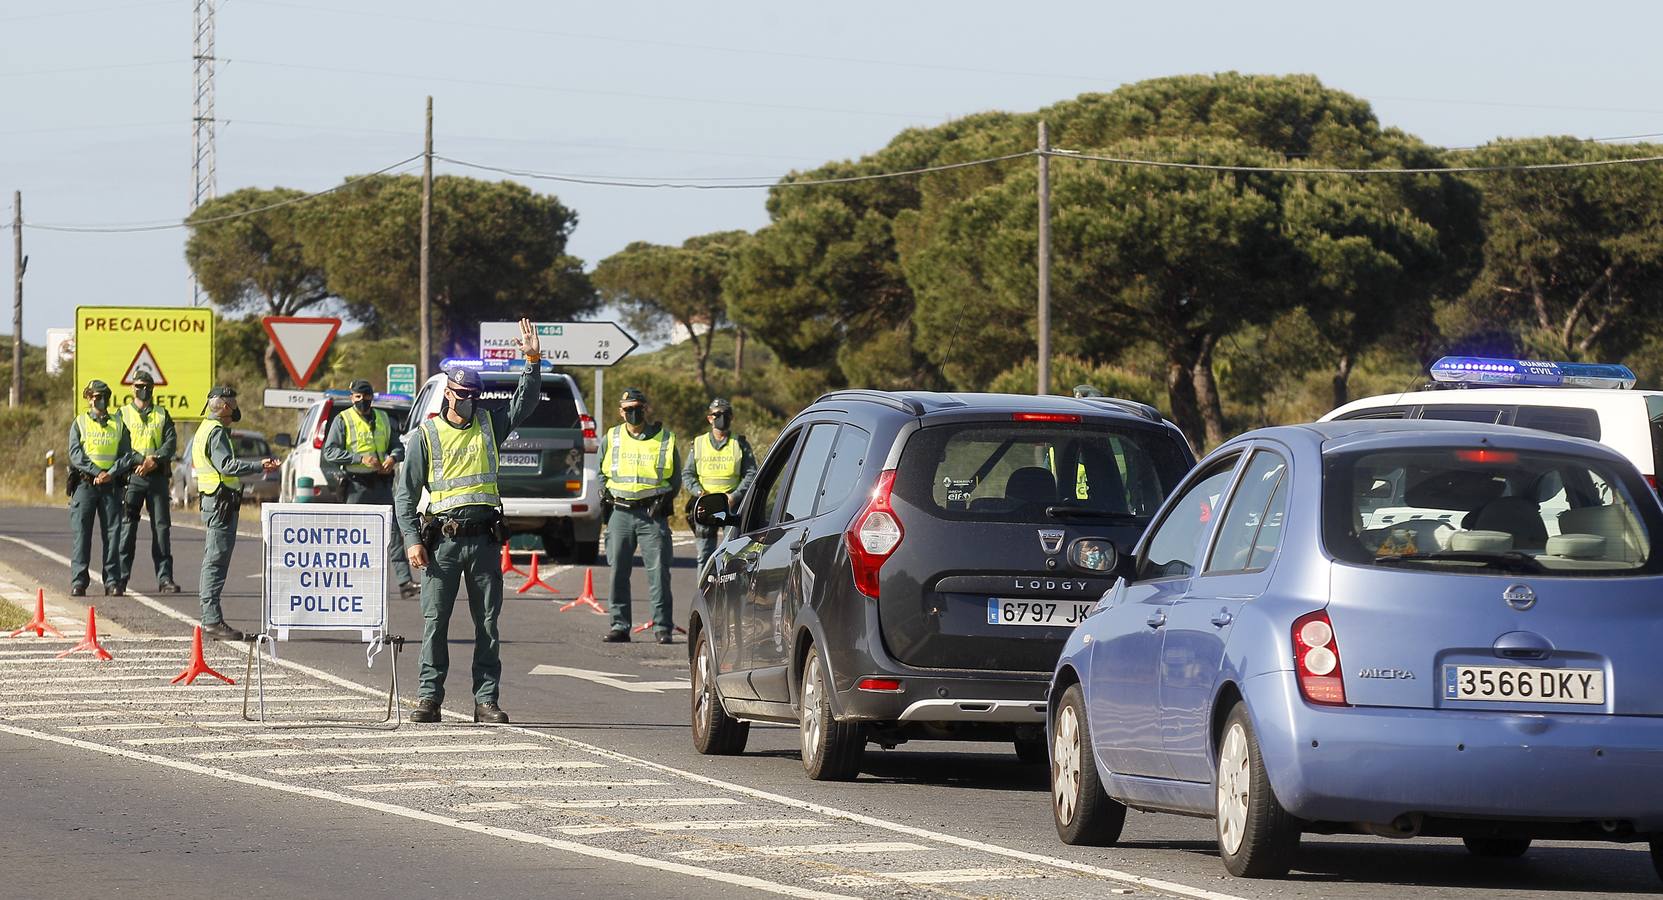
point(491, 365)
point(1482, 370)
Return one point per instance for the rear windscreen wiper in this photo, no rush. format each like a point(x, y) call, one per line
point(1081, 512)
point(1509, 561)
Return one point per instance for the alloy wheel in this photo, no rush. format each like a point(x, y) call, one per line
point(1065, 765)
point(811, 723)
point(1234, 781)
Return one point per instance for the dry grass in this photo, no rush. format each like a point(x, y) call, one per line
point(12, 616)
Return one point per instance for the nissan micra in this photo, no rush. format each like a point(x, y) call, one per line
point(1387, 628)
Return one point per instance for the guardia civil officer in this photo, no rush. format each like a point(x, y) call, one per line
point(219, 487)
point(454, 457)
point(156, 442)
point(718, 462)
point(100, 456)
point(640, 477)
point(360, 441)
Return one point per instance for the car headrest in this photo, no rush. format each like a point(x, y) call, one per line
point(1032, 484)
point(1452, 489)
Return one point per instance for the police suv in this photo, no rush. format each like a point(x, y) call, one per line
point(548, 473)
point(1586, 400)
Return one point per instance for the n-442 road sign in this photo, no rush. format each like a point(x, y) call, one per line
point(563, 343)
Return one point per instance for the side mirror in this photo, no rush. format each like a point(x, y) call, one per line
point(283, 440)
point(711, 511)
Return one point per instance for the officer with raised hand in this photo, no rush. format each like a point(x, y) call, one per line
point(219, 488)
point(640, 477)
point(156, 442)
point(719, 462)
point(453, 456)
point(360, 441)
point(100, 456)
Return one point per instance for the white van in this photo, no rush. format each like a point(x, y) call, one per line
point(306, 456)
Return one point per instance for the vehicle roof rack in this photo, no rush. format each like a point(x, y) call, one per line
point(908, 405)
point(1142, 410)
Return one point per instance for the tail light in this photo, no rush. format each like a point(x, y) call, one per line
point(1651, 480)
point(591, 440)
point(322, 429)
point(873, 536)
point(1068, 418)
point(880, 685)
point(1316, 656)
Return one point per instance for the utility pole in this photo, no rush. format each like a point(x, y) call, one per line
point(426, 359)
point(19, 263)
point(1043, 385)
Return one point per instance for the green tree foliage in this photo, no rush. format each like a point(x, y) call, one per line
point(1573, 259)
point(255, 263)
point(498, 253)
point(660, 288)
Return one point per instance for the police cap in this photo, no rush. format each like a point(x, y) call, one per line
point(632, 395)
point(144, 377)
point(720, 405)
point(362, 387)
point(464, 379)
point(222, 390)
point(94, 388)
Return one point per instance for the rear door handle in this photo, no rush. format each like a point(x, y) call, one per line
point(1156, 620)
point(1222, 618)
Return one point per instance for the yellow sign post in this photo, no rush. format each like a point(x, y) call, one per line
point(175, 345)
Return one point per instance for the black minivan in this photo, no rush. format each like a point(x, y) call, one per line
point(909, 564)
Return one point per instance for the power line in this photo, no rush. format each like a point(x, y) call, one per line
point(710, 185)
point(86, 12)
point(1321, 170)
point(26, 73)
point(165, 225)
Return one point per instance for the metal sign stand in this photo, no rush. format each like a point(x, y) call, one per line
point(254, 683)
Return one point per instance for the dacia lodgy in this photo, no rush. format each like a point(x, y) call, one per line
point(908, 566)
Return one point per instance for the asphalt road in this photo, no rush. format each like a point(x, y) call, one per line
point(114, 784)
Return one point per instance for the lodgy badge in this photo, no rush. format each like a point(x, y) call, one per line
point(1050, 584)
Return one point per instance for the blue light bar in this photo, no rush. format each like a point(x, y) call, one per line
point(491, 365)
point(1479, 370)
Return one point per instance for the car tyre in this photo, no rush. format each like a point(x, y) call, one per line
point(1657, 855)
point(1084, 813)
point(715, 733)
point(1257, 838)
point(832, 750)
point(1031, 751)
point(1497, 848)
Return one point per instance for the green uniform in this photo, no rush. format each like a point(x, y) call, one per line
point(458, 468)
point(641, 476)
point(728, 467)
point(219, 484)
point(350, 439)
point(152, 434)
point(96, 444)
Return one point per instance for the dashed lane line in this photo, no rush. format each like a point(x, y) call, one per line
point(393, 787)
point(401, 735)
point(697, 825)
point(940, 876)
point(372, 751)
point(722, 854)
point(574, 847)
point(471, 766)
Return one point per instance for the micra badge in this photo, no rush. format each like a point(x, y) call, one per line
point(1378, 672)
point(1050, 539)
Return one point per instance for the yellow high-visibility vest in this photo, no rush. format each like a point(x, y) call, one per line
point(636, 467)
point(364, 438)
point(461, 464)
point(718, 469)
point(1082, 490)
point(146, 433)
point(208, 478)
point(101, 442)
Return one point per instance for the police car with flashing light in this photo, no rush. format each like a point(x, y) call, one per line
point(1596, 401)
point(305, 459)
point(547, 471)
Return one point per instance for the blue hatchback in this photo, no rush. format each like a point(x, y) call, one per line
point(1379, 627)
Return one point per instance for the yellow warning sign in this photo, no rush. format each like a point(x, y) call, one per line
point(175, 345)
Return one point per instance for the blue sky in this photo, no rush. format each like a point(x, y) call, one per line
point(95, 95)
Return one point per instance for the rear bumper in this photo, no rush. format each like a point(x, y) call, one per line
point(925, 700)
point(1369, 764)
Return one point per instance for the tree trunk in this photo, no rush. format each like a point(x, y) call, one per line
point(1342, 380)
point(701, 353)
point(1206, 391)
point(738, 353)
point(1180, 392)
point(274, 369)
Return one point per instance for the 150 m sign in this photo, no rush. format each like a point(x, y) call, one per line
point(564, 343)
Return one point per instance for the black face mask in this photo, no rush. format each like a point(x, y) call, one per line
point(142, 392)
point(722, 421)
point(101, 403)
point(463, 407)
point(633, 415)
point(237, 414)
point(363, 407)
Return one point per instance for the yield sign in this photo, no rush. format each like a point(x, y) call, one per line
point(144, 361)
point(300, 343)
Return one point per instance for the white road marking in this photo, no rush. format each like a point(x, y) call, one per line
point(394, 786)
point(610, 679)
point(699, 825)
point(477, 765)
point(180, 690)
point(17, 672)
point(489, 806)
point(369, 751)
point(158, 678)
point(139, 705)
point(722, 854)
point(634, 804)
point(644, 862)
point(402, 735)
point(944, 876)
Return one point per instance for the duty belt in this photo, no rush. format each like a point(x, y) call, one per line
point(455, 528)
point(638, 502)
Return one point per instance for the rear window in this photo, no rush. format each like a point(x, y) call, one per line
point(556, 409)
point(1034, 471)
point(1567, 420)
point(252, 447)
point(395, 416)
point(1481, 509)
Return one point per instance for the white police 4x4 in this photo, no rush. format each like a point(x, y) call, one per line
point(1587, 400)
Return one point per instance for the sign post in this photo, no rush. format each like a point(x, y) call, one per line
point(301, 343)
point(325, 569)
point(173, 344)
point(401, 378)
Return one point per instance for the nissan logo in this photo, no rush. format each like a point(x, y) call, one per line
point(1519, 596)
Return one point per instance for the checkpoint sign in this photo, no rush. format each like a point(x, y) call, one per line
point(325, 567)
point(174, 344)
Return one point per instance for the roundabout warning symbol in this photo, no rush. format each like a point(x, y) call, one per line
point(144, 361)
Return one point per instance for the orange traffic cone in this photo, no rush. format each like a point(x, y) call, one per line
point(38, 624)
point(198, 665)
point(535, 579)
point(587, 598)
point(90, 642)
point(508, 562)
